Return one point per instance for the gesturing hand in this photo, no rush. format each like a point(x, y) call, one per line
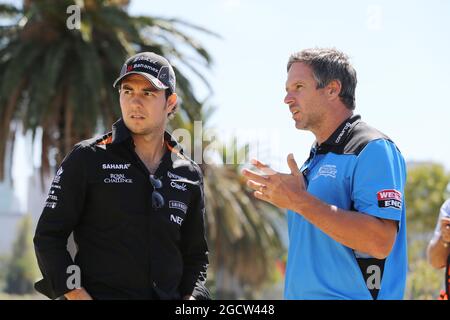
point(280, 189)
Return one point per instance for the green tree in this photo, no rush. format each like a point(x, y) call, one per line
point(22, 269)
point(3, 268)
point(423, 281)
point(425, 192)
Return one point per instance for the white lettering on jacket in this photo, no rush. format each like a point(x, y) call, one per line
point(116, 166)
point(178, 186)
point(117, 178)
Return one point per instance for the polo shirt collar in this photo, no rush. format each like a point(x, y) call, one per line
point(341, 133)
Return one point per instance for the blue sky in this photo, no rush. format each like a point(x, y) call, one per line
point(400, 50)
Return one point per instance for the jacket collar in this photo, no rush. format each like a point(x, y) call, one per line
point(120, 133)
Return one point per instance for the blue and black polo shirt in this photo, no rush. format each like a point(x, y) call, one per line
point(360, 169)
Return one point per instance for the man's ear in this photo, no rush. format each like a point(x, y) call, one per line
point(171, 102)
point(333, 89)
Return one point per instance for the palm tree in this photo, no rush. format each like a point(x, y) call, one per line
point(59, 80)
point(244, 238)
point(244, 234)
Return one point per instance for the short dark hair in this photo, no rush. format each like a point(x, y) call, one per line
point(329, 64)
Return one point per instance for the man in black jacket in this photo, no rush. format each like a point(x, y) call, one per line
point(133, 201)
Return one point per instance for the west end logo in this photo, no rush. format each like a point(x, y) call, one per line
point(389, 198)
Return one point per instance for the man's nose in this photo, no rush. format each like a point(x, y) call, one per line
point(288, 99)
point(136, 101)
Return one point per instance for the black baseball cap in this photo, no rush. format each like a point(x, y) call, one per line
point(153, 67)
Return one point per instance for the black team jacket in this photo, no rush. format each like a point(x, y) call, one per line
point(126, 249)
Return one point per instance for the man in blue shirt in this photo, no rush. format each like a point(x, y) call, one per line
point(346, 210)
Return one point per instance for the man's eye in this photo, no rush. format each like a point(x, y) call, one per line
point(298, 86)
point(126, 91)
point(148, 93)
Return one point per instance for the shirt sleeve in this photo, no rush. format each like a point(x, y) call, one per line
point(379, 181)
point(61, 213)
point(194, 249)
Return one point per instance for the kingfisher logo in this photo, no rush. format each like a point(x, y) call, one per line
point(389, 199)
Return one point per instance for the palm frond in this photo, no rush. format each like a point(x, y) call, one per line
point(8, 10)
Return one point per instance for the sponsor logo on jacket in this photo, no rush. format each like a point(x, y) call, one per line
point(117, 178)
point(174, 176)
point(116, 166)
point(178, 205)
point(58, 175)
point(51, 205)
point(176, 219)
point(178, 186)
point(346, 127)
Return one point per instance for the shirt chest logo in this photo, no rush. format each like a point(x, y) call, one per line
point(116, 166)
point(327, 170)
point(117, 178)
